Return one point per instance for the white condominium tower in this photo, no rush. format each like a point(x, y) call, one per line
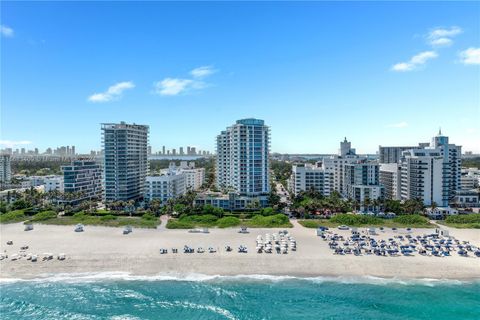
point(242, 164)
point(306, 176)
point(362, 181)
point(452, 158)
point(125, 163)
point(422, 176)
point(335, 165)
point(5, 169)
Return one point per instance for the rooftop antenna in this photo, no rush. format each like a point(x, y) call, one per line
point(440, 131)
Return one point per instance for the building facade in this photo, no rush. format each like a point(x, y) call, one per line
point(82, 178)
point(362, 181)
point(452, 162)
point(166, 186)
point(422, 177)
point(54, 183)
point(125, 161)
point(391, 180)
point(5, 170)
point(310, 177)
point(242, 163)
point(391, 154)
point(335, 165)
point(230, 201)
point(470, 178)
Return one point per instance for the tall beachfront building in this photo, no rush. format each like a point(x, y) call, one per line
point(125, 162)
point(452, 158)
point(335, 165)
point(391, 154)
point(242, 164)
point(422, 177)
point(5, 170)
point(362, 181)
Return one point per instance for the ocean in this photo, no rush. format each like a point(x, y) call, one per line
point(120, 296)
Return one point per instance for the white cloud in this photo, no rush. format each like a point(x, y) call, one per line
point(415, 61)
point(441, 32)
point(172, 86)
point(441, 42)
point(443, 36)
point(11, 143)
point(470, 56)
point(113, 92)
point(402, 124)
point(202, 72)
point(176, 86)
point(6, 31)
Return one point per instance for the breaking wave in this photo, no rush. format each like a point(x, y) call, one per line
point(196, 277)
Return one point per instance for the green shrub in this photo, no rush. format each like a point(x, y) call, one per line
point(464, 218)
point(310, 223)
point(108, 217)
point(278, 220)
point(178, 224)
point(44, 215)
point(148, 216)
point(12, 216)
point(200, 219)
point(79, 215)
point(356, 220)
point(267, 211)
point(411, 219)
point(227, 222)
point(102, 212)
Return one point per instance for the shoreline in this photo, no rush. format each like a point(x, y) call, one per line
point(104, 250)
point(87, 277)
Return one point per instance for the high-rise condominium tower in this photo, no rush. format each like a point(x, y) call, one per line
point(242, 164)
point(5, 169)
point(125, 163)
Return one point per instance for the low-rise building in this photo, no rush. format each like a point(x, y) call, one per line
point(194, 177)
point(54, 183)
point(231, 201)
point(82, 178)
point(470, 178)
point(467, 198)
point(168, 185)
point(440, 212)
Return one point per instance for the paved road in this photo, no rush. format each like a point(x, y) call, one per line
point(284, 196)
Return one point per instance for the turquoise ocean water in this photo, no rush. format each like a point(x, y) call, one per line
point(119, 296)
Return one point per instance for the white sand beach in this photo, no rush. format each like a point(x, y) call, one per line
point(103, 249)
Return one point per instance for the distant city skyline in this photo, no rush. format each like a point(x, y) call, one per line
point(316, 72)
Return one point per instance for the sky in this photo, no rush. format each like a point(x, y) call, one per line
point(378, 73)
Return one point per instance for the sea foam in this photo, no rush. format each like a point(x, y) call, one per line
point(196, 277)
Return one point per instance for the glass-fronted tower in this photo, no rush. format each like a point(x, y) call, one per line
point(125, 160)
point(242, 164)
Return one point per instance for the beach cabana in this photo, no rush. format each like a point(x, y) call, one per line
point(243, 230)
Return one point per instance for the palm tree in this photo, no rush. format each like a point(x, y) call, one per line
point(376, 204)
point(155, 205)
point(367, 202)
